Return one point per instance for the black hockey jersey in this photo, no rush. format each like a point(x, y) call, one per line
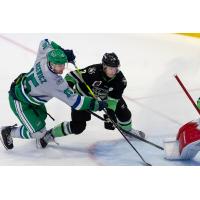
point(101, 85)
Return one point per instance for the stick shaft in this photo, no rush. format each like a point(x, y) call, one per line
point(187, 93)
point(116, 126)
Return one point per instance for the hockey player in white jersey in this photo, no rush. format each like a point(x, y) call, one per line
point(30, 91)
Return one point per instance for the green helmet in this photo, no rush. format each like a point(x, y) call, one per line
point(57, 56)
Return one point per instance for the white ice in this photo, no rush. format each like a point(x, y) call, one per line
point(157, 102)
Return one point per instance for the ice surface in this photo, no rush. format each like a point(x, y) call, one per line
point(158, 104)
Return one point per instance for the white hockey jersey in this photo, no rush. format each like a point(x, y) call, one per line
point(41, 84)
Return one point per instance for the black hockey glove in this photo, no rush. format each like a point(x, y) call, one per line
point(70, 55)
point(102, 105)
point(111, 114)
point(108, 124)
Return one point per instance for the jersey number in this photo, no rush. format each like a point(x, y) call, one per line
point(30, 78)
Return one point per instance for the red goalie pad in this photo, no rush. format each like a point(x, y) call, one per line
point(188, 134)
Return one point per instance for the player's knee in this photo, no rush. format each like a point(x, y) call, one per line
point(77, 127)
point(124, 114)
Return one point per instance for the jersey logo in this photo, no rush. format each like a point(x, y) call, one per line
point(100, 92)
point(96, 83)
point(91, 70)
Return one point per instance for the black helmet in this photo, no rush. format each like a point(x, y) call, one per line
point(111, 60)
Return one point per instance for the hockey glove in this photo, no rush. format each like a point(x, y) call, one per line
point(70, 55)
point(111, 114)
point(112, 103)
point(108, 124)
point(97, 105)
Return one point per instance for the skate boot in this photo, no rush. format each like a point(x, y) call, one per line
point(138, 133)
point(6, 138)
point(48, 137)
point(130, 134)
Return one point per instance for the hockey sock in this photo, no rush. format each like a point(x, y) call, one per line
point(62, 129)
point(127, 126)
point(20, 132)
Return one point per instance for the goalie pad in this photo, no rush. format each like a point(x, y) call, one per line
point(171, 149)
point(187, 143)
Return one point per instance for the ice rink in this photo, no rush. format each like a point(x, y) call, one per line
point(157, 102)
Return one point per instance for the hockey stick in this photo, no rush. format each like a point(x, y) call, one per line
point(93, 95)
point(187, 93)
point(116, 126)
point(172, 146)
point(131, 134)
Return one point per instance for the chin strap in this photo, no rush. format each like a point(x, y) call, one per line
point(51, 68)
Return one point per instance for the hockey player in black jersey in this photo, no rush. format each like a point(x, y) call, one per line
point(107, 83)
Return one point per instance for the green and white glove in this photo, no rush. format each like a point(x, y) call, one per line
point(112, 103)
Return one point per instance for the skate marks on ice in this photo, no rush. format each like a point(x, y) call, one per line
point(119, 153)
point(26, 153)
point(106, 153)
